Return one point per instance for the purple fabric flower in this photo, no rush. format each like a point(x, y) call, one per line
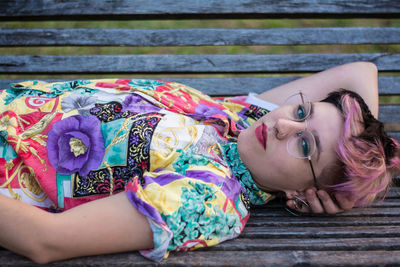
point(137, 104)
point(204, 112)
point(76, 144)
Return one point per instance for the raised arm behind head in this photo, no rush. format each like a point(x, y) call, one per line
point(359, 77)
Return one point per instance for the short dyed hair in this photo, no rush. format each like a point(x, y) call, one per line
point(368, 158)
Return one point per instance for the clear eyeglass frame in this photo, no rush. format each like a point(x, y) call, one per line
point(302, 144)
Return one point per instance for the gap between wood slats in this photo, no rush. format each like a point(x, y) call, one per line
point(161, 9)
point(388, 85)
point(198, 37)
point(241, 63)
point(395, 127)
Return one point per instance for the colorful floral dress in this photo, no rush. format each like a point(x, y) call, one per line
point(171, 148)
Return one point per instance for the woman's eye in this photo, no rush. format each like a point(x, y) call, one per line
point(305, 147)
point(300, 112)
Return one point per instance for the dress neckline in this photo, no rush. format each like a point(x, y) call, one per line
point(242, 174)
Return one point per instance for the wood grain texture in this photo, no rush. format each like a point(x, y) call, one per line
point(318, 244)
point(229, 258)
point(323, 221)
point(395, 135)
point(367, 212)
point(248, 63)
point(198, 37)
point(269, 240)
point(321, 232)
point(389, 113)
point(168, 9)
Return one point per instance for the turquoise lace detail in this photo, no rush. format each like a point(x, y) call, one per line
point(242, 174)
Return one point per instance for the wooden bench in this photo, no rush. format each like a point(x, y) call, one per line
point(369, 236)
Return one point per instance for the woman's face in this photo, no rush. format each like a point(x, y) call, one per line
point(272, 167)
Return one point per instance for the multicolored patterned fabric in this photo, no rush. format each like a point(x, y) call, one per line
point(170, 147)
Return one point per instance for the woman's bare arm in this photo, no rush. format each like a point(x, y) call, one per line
point(360, 77)
point(106, 225)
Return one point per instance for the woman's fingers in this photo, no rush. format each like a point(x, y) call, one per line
point(329, 205)
point(344, 202)
point(314, 202)
point(320, 202)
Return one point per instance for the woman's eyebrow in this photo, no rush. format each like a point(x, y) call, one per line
point(315, 133)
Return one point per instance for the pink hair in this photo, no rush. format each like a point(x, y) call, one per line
point(367, 169)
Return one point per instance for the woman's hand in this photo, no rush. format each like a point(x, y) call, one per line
point(321, 202)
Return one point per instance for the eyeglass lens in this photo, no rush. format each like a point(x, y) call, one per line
point(302, 144)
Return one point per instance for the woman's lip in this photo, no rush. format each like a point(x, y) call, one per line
point(261, 133)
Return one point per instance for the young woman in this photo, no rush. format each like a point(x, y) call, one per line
point(157, 166)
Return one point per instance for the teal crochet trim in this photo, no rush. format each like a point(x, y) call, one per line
point(256, 196)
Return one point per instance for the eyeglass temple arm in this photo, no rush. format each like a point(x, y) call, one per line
point(313, 173)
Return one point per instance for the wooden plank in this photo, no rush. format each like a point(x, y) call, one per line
point(228, 258)
point(387, 203)
point(162, 9)
point(332, 221)
point(390, 201)
point(394, 192)
point(389, 113)
point(322, 244)
point(250, 63)
point(395, 135)
point(270, 212)
point(388, 85)
point(198, 37)
point(321, 232)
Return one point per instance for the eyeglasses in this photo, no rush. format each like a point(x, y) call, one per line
point(302, 144)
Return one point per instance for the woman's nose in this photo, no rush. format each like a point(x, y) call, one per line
point(286, 127)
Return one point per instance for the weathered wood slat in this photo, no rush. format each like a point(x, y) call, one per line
point(239, 258)
point(394, 192)
point(161, 9)
point(270, 212)
point(389, 113)
point(253, 63)
point(387, 203)
point(196, 37)
point(321, 232)
point(395, 135)
point(314, 221)
point(369, 243)
point(388, 85)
